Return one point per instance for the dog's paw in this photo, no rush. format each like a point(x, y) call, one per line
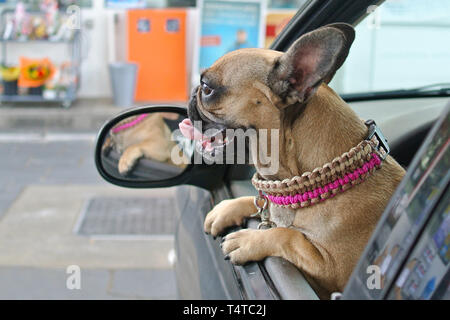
point(226, 214)
point(125, 165)
point(128, 159)
point(246, 245)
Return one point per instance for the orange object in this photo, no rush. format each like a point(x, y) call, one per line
point(157, 43)
point(275, 22)
point(35, 72)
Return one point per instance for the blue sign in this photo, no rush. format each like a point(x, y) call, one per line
point(227, 26)
point(125, 4)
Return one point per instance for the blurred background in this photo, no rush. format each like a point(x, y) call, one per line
point(68, 66)
point(110, 31)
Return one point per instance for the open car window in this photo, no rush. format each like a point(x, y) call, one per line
point(399, 46)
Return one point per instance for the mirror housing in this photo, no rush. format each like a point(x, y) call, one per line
point(200, 175)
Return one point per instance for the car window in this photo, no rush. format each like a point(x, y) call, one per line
point(401, 44)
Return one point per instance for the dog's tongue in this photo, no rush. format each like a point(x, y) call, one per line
point(189, 131)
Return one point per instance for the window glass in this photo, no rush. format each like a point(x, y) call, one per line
point(171, 3)
point(401, 44)
point(285, 4)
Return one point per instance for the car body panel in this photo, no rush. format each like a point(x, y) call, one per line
point(200, 272)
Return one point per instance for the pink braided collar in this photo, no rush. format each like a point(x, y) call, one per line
point(351, 168)
point(129, 124)
point(329, 190)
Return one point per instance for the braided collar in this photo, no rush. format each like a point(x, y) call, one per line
point(350, 169)
point(129, 123)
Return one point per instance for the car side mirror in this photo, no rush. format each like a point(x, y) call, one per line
point(143, 148)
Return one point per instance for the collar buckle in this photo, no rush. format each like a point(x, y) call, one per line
point(263, 212)
point(374, 130)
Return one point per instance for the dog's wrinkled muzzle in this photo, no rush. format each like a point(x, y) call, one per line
point(198, 127)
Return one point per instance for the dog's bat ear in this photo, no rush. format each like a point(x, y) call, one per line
point(349, 34)
point(312, 59)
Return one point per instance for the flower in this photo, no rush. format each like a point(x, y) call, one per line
point(35, 72)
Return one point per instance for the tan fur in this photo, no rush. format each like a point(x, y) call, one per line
point(150, 138)
point(325, 240)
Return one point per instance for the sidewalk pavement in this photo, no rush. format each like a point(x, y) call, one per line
point(47, 173)
point(85, 115)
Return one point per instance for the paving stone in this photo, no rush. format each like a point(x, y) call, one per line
point(142, 284)
point(19, 283)
point(42, 189)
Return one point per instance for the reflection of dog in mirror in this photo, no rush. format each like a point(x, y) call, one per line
point(143, 136)
point(288, 92)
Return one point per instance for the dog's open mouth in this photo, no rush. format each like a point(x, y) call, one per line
point(211, 142)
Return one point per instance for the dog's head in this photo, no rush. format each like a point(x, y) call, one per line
point(250, 88)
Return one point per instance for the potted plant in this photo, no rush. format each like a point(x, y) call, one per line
point(34, 73)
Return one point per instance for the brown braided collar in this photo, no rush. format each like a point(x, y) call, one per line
point(351, 168)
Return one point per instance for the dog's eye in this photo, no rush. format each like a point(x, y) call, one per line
point(206, 90)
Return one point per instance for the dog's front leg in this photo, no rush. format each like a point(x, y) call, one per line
point(148, 148)
point(129, 158)
point(228, 213)
point(254, 245)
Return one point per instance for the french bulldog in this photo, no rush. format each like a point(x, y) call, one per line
point(266, 89)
